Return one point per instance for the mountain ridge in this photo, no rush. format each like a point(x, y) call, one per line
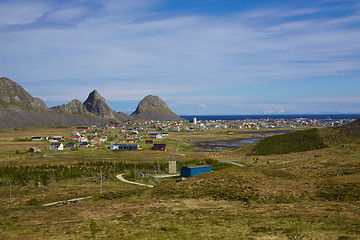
point(19, 109)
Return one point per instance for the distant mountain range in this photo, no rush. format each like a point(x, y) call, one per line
point(18, 109)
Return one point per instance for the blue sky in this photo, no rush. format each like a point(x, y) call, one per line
point(200, 57)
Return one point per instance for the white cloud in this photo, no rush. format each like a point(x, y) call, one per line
point(202, 105)
point(21, 12)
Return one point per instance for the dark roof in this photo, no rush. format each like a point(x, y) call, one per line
point(159, 145)
point(200, 166)
point(55, 144)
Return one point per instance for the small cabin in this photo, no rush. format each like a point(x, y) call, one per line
point(34, 149)
point(83, 128)
point(190, 171)
point(149, 141)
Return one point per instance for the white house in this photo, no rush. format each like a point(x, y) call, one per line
point(202, 126)
point(56, 146)
point(83, 139)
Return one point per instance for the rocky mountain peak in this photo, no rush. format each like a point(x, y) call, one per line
point(154, 101)
point(13, 94)
point(154, 108)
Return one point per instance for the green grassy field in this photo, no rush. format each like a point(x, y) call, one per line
point(304, 195)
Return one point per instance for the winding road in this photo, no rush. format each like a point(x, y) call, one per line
point(237, 164)
point(121, 178)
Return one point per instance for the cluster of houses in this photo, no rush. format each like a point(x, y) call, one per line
point(134, 137)
point(76, 139)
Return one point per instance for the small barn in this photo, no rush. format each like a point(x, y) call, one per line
point(159, 147)
point(190, 171)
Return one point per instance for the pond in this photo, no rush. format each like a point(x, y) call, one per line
point(224, 144)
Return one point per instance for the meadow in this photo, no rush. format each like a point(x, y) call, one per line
point(312, 194)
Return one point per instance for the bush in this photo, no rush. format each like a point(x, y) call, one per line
point(33, 202)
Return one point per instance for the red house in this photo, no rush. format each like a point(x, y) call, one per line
point(149, 141)
point(153, 133)
point(159, 147)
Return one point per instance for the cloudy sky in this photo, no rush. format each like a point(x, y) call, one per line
point(199, 56)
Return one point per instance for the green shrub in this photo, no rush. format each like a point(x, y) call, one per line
point(93, 228)
point(340, 192)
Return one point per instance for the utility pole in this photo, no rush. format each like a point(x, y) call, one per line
point(158, 171)
point(114, 166)
point(100, 181)
point(10, 194)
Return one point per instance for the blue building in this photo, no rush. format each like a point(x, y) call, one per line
point(194, 170)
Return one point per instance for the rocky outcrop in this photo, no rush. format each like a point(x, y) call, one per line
point(75, 106)
point(154, 108)
point(351, 129)
point(122, 116)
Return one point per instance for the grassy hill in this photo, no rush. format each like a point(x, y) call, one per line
point(299, 141)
